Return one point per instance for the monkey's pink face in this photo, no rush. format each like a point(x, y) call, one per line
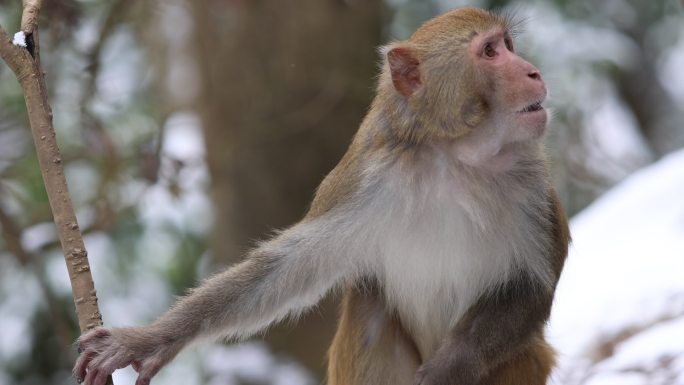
point(516, 86)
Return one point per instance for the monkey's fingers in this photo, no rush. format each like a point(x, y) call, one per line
point(91, 377)
point(87, 351)
point(91, 335)
point(79, 370)
point(104, 363)
point(148, 369)
point(97, 376)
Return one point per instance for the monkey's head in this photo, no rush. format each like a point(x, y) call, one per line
point(458, 74)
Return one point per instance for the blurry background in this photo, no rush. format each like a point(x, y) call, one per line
point(190, 129)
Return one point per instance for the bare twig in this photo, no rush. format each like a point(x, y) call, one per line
point(32, 82)
point(29, 18)
point(25, 63)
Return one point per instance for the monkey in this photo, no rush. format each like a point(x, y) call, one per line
point(440, 226)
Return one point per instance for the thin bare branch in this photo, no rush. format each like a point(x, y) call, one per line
point(29, 18)
point(30, 76)
point(26, 66)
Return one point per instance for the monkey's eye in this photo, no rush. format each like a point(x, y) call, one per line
point(509, 44)
point(489, 51)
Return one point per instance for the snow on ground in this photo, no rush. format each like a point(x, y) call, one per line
point(618, 316)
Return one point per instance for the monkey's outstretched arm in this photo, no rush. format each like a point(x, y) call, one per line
point(284, 275)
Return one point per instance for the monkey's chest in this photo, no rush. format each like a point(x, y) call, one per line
point(437, 260)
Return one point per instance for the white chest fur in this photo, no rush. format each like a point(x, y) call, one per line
point(443, 240)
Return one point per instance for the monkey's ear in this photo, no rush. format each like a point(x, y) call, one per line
point(405, 70)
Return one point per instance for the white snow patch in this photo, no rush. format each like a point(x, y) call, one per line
point(16, 338)
point(35, 237)
point(650, 346)
point(19, 39)
point(183, 138)
point(624, 270)
point(618, 379)
point(183, 166)
point(254, 362)
point(190, 211)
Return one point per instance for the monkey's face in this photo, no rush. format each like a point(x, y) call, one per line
point(514, 88)
point(511, 89)
point(459, 76)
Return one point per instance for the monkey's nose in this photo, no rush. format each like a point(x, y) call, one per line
point(534, 75)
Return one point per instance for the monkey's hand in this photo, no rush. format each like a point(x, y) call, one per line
point(448, 367)
point(105, 350)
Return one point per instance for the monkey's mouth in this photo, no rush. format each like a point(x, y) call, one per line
point(536, 106)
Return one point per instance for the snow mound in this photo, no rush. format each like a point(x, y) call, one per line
point(618, 317)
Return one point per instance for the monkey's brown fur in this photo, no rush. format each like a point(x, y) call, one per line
point(388, 356)
point(440, 223)
point(391, 357)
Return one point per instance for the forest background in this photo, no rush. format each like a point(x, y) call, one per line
point(192, 129)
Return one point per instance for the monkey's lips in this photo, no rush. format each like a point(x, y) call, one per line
point(534, 117)
point(534, 107)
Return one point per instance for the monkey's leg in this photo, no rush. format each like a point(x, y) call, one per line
point(532, 367)
point(370, 347)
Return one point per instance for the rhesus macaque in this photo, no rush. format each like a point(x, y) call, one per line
point(440, 224)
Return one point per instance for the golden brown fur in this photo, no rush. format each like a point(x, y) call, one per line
point(370, 346)
point(391, 357)
point(532, 367)
point(440, 222)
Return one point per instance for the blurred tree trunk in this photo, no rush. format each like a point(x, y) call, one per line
point(659, 119)
point(657, 114)
point(283, 89)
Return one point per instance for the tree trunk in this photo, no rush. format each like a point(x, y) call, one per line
point(283, 89)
